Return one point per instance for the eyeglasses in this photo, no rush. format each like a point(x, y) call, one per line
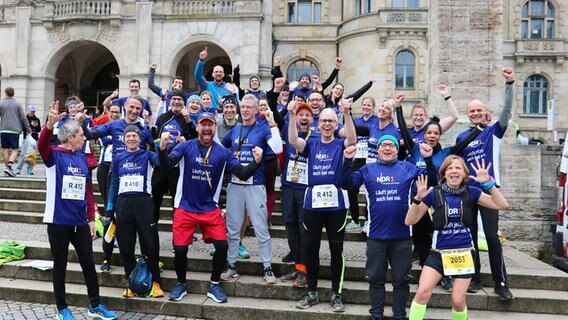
point(315, 100)
point(387, 145)
point(327, 120)
point(115, 112)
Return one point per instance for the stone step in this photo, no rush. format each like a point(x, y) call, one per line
point(20, 211)
point(534, 275)
point(353, 292)
point(198, 306)
point(17, 196)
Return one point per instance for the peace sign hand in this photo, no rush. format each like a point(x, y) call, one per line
point(54, 115)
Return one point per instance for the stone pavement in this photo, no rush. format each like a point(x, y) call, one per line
point(14, 310)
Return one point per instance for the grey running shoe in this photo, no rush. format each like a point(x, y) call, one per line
point(301, 281)
point(290, 276)
point(269, 277)
point(309, 299)
point(337, 303)
point(229, 273)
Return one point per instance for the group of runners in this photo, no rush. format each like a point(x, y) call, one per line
point(218, 153)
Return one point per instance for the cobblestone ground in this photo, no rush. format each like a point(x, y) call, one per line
point(14, 310)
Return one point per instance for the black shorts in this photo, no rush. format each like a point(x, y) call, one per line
point(434, 261)
point(10, 140)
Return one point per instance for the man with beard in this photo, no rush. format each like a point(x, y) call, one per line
point(251, 192)
point(217, 87)
point(134, 89)
point(203, 163)
point(178, 124)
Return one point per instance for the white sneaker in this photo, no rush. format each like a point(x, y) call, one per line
point(353, 227)
point(365, 227)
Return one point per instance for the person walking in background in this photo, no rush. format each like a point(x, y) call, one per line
point(13, 121)
point(30, 141)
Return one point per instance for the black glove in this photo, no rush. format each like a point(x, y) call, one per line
point(237, 69)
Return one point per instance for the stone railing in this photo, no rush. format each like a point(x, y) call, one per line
point(203, 7)
point(398, 16)
point(75, 8)
point(540, 45)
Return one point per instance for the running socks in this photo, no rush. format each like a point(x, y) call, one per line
point(459, 315)
point(417, 311)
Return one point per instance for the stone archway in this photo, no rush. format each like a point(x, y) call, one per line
point(86, 69)
point(189, 56)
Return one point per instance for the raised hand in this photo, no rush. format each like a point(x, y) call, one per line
point(277, 61)
point(164, 139)
point(443, 90)
point(349, 152)
point(345, 105)
point(338, 63)
point(481, 171)
point(508, 73)
point(279, 83)
point(154, 66)
point(203, 54)
point(425, 150)
point(292, 107)
point(399, 98)
point(257, 154)
point(270, 117)
point(422, 189)
point(54, 115)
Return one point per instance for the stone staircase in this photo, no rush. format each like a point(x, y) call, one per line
point(541, 292)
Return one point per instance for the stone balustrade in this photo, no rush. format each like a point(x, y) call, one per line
point(204, 7)
point(398, 16)
point(74, 8)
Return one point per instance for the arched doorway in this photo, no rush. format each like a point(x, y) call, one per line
point(188, 58)
point(87, 70)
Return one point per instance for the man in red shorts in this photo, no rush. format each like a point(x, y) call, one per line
point(202, 165)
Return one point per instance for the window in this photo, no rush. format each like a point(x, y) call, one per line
point(363, 6)
point(405, 67)
point(304, 11)
point(300, 67)
point(405, 3)
point(535, 94)
point(537, 20)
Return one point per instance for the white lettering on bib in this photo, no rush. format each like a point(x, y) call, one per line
point(131, 184)
point(325, 196)
point(73, 187)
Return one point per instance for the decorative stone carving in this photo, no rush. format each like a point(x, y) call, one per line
point(396, 17)
point(549, 46)
point(56, 34)
point(108, 33)
point(531, 46)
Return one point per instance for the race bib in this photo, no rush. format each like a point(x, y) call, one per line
point(298, 174)
point(325, 196)
point(371, 160)
point(236, 180)
point(362, 150)
point(457, 262)
point(108, 154)
point(73, 187)
point(131, 184)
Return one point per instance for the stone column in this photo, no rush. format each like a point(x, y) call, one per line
point(466, 54)
point(266, 44)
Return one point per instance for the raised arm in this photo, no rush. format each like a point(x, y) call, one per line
point(199, 78)
point(333, 74)
point(408, 142)
point(350, 134)
point(417, 208)
point(151, 84)
point(350, 179)
point(496, 201)
point(450, 120)
point(361, 91)
point(297, 142)
point(505, 116)
point(458, 148)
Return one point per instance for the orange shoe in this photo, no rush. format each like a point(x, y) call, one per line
point(128, 293)
point(156, 291)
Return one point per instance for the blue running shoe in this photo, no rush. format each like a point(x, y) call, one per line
point(446, 283)
point(216, 293)
point(243, 252)
point(179, 292)
point(101, 312)
point(65, 314)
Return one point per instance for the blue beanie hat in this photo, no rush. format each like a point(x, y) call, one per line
point(388, 137)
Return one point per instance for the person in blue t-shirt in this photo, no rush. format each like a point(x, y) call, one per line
point(325, 203)
point(130, 196)
point(202, 163)
point(452, 248)
point(69, 210)
point(432, 132)
point(250, 193)
point(134, 90)
point(387, 183)
point(487, 146)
